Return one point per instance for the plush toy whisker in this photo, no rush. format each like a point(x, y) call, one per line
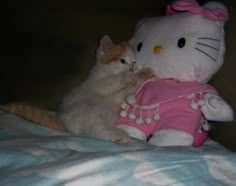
point(205, 54)
point(209, 46)
point(213, 39)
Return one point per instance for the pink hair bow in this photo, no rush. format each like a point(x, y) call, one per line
point(215, 14)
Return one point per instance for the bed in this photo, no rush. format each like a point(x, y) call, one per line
point(31, 155)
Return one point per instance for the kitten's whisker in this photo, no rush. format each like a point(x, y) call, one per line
point(205, 54)
point(203, 44)
point(208, 38)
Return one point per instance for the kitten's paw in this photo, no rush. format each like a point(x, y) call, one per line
point(117, 136)
point(120, 137)
point(122, 140)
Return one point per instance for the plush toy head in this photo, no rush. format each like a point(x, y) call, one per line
point(186, 46)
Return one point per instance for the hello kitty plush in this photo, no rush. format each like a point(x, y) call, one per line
point(184, 49)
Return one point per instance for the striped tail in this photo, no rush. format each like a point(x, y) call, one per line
point(35, 114)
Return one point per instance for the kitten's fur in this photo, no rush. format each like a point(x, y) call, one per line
point(35, 114)
point(92, 107)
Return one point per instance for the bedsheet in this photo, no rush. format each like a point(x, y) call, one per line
point(31, 155)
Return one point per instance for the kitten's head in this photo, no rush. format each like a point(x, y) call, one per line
point(115, 58)
point(184, 46)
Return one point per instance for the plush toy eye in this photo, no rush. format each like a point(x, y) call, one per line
point(123, 61)
point(139, 46)
point(181, 42)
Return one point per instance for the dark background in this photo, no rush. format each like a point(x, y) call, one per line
point(48, 47)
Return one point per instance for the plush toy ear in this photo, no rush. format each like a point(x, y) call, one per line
point(214, 4)
point(105, 45)
point(217, 5)
point(143, 21)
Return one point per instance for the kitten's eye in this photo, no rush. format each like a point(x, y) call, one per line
point(123, 61)
point(139, 46)
point(181, 42)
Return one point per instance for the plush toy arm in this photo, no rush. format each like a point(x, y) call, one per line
point(216, 109)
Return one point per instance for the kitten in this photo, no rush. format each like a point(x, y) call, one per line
point(92, 107)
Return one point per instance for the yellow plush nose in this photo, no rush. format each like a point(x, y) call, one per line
point(157, 49)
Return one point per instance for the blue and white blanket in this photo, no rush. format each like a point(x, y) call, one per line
point(34, 156)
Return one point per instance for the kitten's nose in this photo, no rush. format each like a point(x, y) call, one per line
point(157, 49)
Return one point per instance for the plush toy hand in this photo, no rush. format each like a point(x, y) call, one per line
point(144, 74)
point(138, 78)
point(216, 109)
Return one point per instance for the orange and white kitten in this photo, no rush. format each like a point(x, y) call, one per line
point(92, 107)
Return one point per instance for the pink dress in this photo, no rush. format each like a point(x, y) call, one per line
point(167, 104)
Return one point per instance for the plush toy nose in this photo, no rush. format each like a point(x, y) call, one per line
point(157, 49)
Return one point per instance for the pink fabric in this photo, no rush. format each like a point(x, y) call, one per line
point(200, 138)
point(173, 100)
point(215, 14)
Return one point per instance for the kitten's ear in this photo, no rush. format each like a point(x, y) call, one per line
point(105, 45)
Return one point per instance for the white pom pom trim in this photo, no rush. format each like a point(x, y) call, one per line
point(131, 99)
point(156, 116)
point(123, 114)
point(124, 105)
point(139, 121)
point(194, 105)
point(200, 102)
point(148, 120)
point(132, 115)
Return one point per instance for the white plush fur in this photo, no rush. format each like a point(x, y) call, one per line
point(171, 137)
point(185, 64)
point(200, 58)
point(133, 132)
point(216, 109)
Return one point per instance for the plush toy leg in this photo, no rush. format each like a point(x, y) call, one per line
point(133, 132)
point(200, 138)
point(171, 137)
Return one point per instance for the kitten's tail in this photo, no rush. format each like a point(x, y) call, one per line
point(35, 114)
